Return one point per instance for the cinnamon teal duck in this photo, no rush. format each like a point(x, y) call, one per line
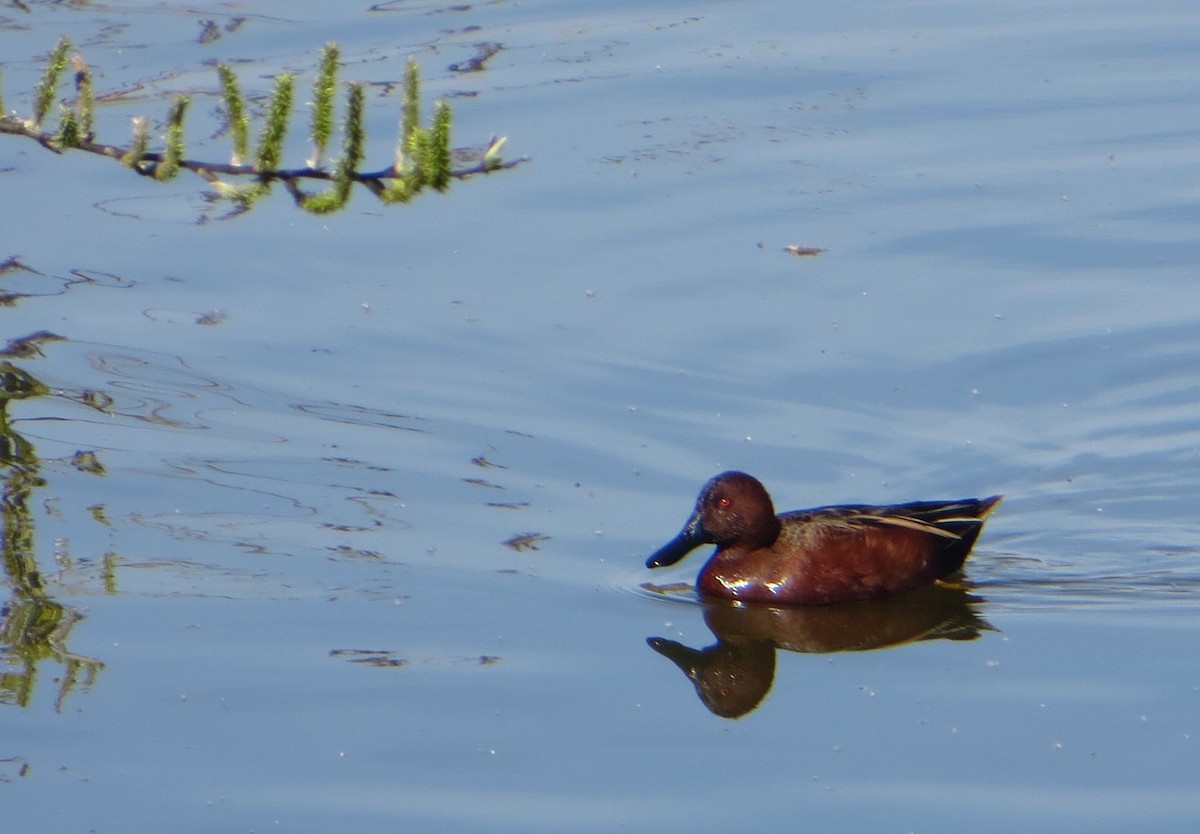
point(823, 555)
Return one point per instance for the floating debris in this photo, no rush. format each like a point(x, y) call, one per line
point(525, 541)
point(483, 52)
point(212, 317)
point(30, 346)
point(87, 461)
point(803, 251)
point(371, 657)
point(347, 552)
point(671, 588)
point(484, 463)
point(481, 482)
point(387, 659)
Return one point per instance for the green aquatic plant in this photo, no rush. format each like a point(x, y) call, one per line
point(424, 156)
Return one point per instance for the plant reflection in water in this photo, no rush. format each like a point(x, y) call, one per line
point(33, 626)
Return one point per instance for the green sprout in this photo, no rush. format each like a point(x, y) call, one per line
point(270, 146)
point(410, 113)
point(323, 92)
point(353, 141)
point(140, 145)
point(437, 159)
point(84, 96)
point(44, 97)
point(168, 167)
point(69, 132)
point(235, 108)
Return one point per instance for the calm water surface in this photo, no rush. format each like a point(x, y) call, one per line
point(269, 484)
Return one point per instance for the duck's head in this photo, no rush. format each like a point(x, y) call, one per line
point(733, 509)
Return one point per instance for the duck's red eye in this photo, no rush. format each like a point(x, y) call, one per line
point(724, 502)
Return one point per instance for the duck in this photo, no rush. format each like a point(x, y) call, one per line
point(823, 555)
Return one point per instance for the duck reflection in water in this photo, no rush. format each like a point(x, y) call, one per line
point(733, 676)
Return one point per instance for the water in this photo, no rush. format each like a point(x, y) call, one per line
point(285, 601)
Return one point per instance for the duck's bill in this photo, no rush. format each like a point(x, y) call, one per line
point(690, 537)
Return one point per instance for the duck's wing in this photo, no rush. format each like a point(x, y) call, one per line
point(943, 519)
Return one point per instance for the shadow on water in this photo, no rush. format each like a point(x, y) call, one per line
point(734, 675)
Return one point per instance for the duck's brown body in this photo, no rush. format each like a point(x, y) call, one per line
point(823, 555)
